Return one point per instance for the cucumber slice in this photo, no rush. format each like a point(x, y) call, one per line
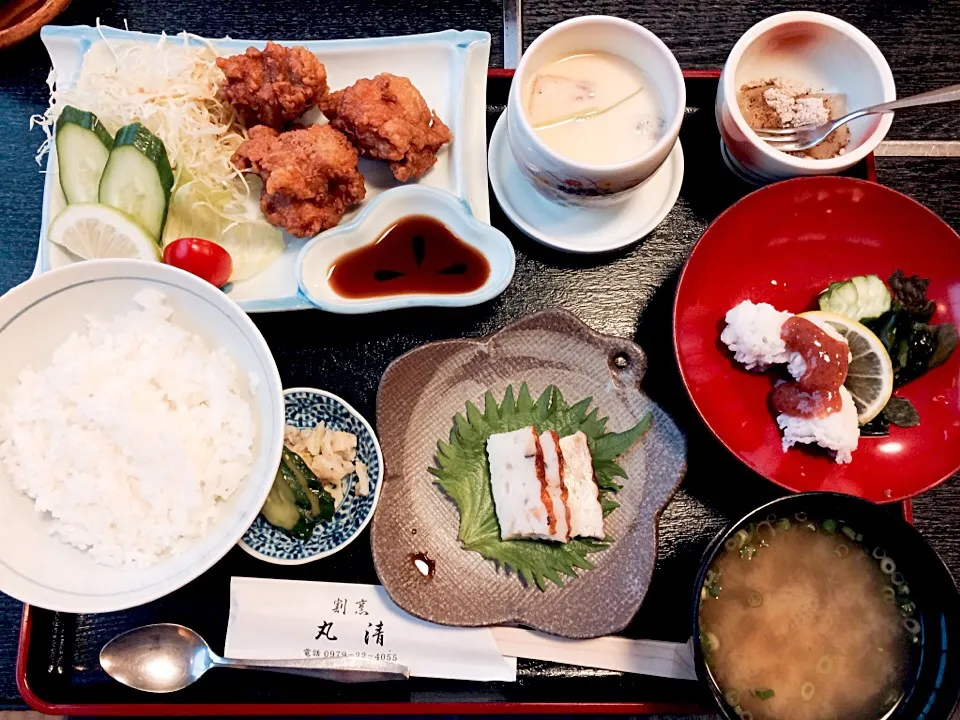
point(840, 298)
point(137, 178)
point(280, 508)
point(859, 298)
point(863, 287)
point(880, 299)
point(305, 499)
point(324, 508)
point(83, 146)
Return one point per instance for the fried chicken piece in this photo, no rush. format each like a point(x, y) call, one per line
point(273, 87)
point(310, 176)
point(388, 119)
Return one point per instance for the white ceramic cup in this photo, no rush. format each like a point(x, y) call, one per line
point(822, 52)
point(570, 182)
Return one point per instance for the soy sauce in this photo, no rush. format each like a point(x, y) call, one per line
point(416, 255)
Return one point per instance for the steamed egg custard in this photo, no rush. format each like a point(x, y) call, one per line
point(595, 107)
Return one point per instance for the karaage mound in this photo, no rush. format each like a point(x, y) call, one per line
point(310, 176)
point(386, 118)
point(273, 87)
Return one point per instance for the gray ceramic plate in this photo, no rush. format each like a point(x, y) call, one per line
point(419, 395)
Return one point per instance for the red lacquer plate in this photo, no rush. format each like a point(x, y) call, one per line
point(783, 245)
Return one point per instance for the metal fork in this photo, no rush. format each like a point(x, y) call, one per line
point(808, 136)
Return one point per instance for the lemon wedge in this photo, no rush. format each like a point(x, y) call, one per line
point(870, 374)
point(94, 232)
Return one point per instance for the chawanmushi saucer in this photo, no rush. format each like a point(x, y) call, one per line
point(581, 230)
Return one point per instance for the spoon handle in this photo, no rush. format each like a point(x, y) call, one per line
point(340, 669)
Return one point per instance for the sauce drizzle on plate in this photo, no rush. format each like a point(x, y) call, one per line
point(418, 254)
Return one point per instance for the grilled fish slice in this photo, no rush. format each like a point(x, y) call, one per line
point(583, 495)
point(556, 489)
point(519, 485)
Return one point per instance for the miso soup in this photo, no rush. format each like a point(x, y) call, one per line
point(798, 621)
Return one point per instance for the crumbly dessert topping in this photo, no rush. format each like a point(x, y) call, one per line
point(785, 103)
point(794, 104)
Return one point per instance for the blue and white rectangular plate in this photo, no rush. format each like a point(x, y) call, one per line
point(449, 68)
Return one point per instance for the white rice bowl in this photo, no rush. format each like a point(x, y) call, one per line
point(182, 536)
point(132, 438)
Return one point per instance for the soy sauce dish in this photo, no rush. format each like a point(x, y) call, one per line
point(822, 605)
point(411, 246)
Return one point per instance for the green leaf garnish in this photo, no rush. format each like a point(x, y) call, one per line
point(463, 473)
point(763, 693)
point(901, 412)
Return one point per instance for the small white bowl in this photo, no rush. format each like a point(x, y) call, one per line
point(824, 53)
point(319, 255)
point(577, 184)
point(35, 318)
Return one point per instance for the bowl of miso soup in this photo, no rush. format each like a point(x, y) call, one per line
point(822, 606)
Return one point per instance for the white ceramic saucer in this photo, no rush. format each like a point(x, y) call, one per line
point(581, 230)
point(734, 166)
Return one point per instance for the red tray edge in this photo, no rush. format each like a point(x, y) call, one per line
point(412, 708)
point(374, 709)
point(689, 74)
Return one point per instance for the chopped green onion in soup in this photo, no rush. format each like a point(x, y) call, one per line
point(812, 616)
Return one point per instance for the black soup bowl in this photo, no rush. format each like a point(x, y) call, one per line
point(932, 685)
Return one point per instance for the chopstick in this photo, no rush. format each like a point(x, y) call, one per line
point(512, 33)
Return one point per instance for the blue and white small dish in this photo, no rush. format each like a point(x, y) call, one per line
point(320, 254)
point(306, 408)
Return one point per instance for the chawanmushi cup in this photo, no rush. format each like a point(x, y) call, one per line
point(567, 181)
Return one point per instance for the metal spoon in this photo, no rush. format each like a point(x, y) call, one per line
point(165, 658)
point(808, 136)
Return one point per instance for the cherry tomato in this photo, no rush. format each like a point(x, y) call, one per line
point(201, 257)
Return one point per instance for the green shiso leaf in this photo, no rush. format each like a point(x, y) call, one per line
point(608, 504)
point(610, 445)
point(463, 473)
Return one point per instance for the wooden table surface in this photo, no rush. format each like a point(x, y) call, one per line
point(918, 37)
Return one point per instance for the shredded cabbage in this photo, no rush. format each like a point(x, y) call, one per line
point(171, 87)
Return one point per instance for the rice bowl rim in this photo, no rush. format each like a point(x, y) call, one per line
point(39, 288)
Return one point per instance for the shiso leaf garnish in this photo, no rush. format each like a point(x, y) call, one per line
point(901, 412)
point(463, 473)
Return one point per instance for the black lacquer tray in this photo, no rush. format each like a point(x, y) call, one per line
point(628, 293)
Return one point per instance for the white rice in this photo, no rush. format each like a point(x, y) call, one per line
point(753, 335)
point(132, 438)
point(839, 431)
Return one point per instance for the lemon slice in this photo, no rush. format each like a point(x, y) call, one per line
point(91, 232)
point(870, 374)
